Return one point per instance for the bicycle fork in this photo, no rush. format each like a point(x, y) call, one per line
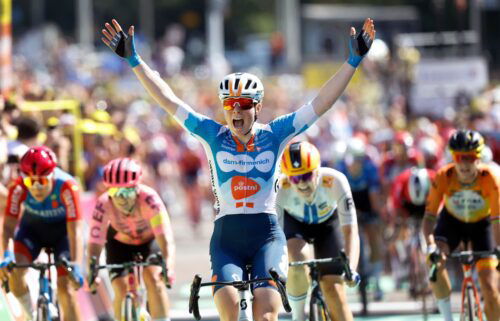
point(467, 286)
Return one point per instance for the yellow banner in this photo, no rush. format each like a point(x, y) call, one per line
point(5, 11)
point(317, 73)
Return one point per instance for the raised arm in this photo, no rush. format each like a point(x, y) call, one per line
point(335, 86)
point(123, 46)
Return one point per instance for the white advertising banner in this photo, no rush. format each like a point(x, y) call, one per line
point(437, 82)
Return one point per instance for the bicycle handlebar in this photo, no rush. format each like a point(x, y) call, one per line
point(40, 266)
point(155, 259)
point(342, 258)
point(465, 257)
point(196, 285)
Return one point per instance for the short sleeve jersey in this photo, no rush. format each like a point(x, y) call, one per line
point(332, 195)
point(62, 204)
point(468, 203)
point(244, 176)
point(147, 220)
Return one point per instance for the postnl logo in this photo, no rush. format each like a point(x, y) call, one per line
point(242, 187)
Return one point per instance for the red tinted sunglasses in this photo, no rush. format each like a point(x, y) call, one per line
point(29, 181)
point(243, 103)
point(304, 177)
point(461, 157)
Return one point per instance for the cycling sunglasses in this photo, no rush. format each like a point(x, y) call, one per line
point(243, 103)
point(465, 157)
point(122, 192)
point(304, 177)
point(29, 181)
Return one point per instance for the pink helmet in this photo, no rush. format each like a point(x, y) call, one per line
point(38, 161)
point(122, 172)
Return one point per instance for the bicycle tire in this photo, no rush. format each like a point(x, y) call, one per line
point(129, 312)
point(42, 312)
point(317, 312)
point(470, 305)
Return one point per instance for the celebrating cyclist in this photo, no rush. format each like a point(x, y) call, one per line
point(470, 191)
point(130, 218)
point(316, 203)
point(363, 177)
point(43, 204)
point(242, 157)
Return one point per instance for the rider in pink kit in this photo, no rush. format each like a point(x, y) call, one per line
point(130, 218)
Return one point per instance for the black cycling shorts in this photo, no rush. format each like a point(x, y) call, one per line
point(118, 252)
point(452, 231)
point(325, 238)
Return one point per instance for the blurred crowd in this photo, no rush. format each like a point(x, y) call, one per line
point(117, 118)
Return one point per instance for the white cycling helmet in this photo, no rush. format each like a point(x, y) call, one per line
point(419, 185)
point(356, 147)
point(241, 84)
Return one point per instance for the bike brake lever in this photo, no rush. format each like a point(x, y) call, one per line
point(281, 284)
point(193, 297)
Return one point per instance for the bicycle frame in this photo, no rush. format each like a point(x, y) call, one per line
point(316, 294)
point(135, 289)
point(468, 284)
point(467, 260)
point(46, 292)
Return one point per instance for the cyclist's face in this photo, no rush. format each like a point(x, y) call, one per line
point(467, 168)
point(306, 185)
point(240, 115)
point(400, 150)
point(39, 186)
point(123, 198)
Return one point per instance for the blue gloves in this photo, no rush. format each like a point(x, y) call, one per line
point(77, 274)
point(8, 257)
point(358, 47)
point(123, 45)
point(354, 281)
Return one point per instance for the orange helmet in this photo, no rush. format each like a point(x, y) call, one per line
point(300, 158)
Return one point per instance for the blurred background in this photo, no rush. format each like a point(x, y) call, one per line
point(434, 67)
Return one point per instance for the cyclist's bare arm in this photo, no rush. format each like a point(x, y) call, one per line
point(75, 238)
point(351, 238)
point(428, 224)
point(166, 241)
point(432, 207)
point(93, 250)
point(9, 227)
point(336, 85)
point(158, 88)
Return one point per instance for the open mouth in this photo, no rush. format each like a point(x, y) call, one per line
point(238, 123)
point(304, 190)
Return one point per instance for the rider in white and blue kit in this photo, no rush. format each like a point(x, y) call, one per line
point(243, 157)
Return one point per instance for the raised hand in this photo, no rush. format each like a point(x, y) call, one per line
point(360, 45)
point(121, 43)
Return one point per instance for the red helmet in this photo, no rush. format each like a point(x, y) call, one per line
point(38, 161)
point(122, 172)
point(403, 138)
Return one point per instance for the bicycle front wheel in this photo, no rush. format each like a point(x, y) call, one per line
point(318, 312)
point(470, 306)
point(42, 312)
point(129, 313)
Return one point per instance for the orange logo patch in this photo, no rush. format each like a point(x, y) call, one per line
point(55, 204)
point(242, 187)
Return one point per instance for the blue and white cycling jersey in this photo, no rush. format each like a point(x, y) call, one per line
point(244, 176)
